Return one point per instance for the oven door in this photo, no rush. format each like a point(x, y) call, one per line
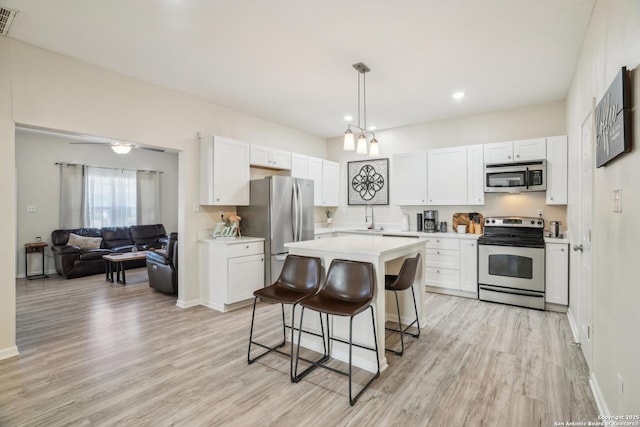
point(511, 267)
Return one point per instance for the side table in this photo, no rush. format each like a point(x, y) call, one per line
point(34, 248)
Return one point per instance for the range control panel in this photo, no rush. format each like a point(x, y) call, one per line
point(514, 221)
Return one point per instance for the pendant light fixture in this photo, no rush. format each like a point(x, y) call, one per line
point(349, 139)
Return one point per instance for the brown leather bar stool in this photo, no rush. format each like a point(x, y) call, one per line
point(347, 291)
point(300, 278)
point(403, 281)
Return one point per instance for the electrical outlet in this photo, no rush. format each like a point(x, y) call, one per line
point(620, 386)
point(617, 200)
point(540, 212)
point(196, 207)
point(31, 208)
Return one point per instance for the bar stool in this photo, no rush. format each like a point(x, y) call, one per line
point(347, 291)
point(300, 277)
point(403, 281)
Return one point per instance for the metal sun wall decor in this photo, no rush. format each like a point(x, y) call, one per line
point(613, 120)
point(368, 182)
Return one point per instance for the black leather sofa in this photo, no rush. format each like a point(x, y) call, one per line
point(72, 261)
point(163, 268)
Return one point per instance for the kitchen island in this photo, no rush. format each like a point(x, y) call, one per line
point(386, 254)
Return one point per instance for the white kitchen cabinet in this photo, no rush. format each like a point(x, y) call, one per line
point(469, 265)
point(475, 174)
point(299, 166)
point(230, 271)
point(409, 179)
point(270, 157)
point(557, 170)
point(515, 151)
point(447, 176)
point(557, 273)
point(326, 181)
point(224, 171)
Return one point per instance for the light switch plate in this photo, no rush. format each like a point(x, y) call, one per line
point(31, 208)
point(617, 200)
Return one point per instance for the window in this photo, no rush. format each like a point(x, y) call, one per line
point(110, 198)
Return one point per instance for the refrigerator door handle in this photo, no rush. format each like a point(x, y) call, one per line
point(300, 213)
point(296, 210)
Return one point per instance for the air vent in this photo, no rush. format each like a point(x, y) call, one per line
point(6, 19)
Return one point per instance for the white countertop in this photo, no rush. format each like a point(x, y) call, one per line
point(419, 234)
point(556, 240)
point(230, 240)
point(375, 245)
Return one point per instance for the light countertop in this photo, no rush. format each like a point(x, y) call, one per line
point(230, 240)
point(394, 232)
point(362, 244)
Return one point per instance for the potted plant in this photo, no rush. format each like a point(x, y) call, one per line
point(329, 217)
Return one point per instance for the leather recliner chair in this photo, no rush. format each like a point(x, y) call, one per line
point(163, 268)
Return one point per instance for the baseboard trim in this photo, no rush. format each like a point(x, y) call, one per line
point(52, 272)
point(187, 304)
point(573, 326)
point(601, 403)
point(7, 353)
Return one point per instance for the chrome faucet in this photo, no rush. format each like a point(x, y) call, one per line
point(366, 218)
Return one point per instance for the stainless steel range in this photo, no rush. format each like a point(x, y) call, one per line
point(511, 261)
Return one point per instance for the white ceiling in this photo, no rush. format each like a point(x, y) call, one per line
point(289, 61)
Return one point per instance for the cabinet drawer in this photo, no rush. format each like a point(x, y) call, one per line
point(442, 277)
point(442, 258)
point(243, 249)
point(443, 243)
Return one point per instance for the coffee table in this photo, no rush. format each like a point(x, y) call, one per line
point(117, 261)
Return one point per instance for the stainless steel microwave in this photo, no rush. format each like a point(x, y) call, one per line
point(515, 177)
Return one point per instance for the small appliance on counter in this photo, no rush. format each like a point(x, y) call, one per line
point(554, 229)
point(419, 222)
point(430, 221)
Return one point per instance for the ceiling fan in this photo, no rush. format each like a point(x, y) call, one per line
point(119, 147)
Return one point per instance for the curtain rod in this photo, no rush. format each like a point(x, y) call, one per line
point(105, 167)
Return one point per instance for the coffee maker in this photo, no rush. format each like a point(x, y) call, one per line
point(430, 221)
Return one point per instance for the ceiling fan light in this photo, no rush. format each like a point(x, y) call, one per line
point(362, 144)
point(121, 148)
point(374, 148)
point(349, 143)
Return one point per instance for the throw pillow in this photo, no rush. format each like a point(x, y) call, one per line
point(84, 242)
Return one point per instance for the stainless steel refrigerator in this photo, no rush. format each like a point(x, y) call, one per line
point(281, 211)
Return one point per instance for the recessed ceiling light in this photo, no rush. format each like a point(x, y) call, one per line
point(458, 95)
point(348, 118)
point(372, 127)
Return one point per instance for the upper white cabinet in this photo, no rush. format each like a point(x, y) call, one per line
point(326, 181)
point(515, 151)
point(224, 171)
point(475, 174)
point(557, 170)
point(409, 179)
point(447, 176)
point(299, 165)
point(270, 157)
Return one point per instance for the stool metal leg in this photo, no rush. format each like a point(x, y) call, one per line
point(402, 330)
point(353, 400)
point(268, 349)
point(314, 363)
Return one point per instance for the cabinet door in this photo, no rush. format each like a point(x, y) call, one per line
point(261, 156)
point(330, 183)
point(315, 173)
point(529, 149)
point(231, 174)
point(557, 170)
point(469, 265)
point(299, 166)
point(409, 179)
point(447, 176)
point(475, 174)
point(281, 159)
point(498, 152)
point(244, 276)
point(557, 273)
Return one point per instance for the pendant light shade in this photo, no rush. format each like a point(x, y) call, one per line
point(349, 142)
point(121, 148)
point(361, 148)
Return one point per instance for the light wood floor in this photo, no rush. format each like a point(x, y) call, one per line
point(95, 353)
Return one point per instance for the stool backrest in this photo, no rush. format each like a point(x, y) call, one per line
point(407, 274)
point(301, 272)
point(350, 280)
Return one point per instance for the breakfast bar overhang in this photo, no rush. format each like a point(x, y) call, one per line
point(386, 253)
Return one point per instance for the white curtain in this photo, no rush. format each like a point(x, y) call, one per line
point(72, 186)
point(148, 197)
point(110, 197)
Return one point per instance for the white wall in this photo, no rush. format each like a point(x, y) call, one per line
point(612, 41)
point(39, 185)
point(522, 123)
point(42, 89)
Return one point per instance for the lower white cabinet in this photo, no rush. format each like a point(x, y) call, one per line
point(557, 273)
point(230, 271)
point(469, 265)
point(442, 263)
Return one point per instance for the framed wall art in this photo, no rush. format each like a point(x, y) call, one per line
point(613, 120)
point(368, 182)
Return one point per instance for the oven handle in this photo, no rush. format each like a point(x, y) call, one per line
point(513, 291)
point(526, 178)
